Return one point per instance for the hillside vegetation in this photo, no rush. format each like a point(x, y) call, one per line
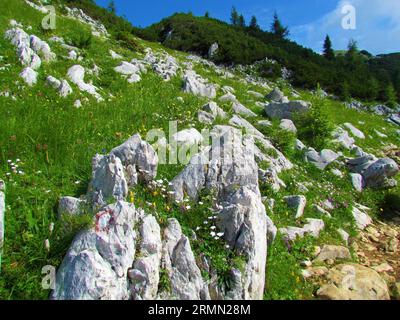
point(48, 143)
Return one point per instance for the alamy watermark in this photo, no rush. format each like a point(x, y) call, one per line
point(349, 20)
point(50, 20)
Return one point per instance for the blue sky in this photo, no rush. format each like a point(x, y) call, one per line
point(377, 21)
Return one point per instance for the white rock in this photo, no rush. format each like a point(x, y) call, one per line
point(357, 181)
point(288, 125)
point(240, 109)
point(215, 110)
point(277, 110)
point(238, 121)
point(354, 131)
point(96, 265)
point(298, 203)
point(196, 85)
point(361, 218)
point(29, 76)
point(115, 55)
point(70, 206)
point(187, 137)
point(228, 97)
point(77, 75)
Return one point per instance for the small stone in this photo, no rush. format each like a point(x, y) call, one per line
point(384, 267)
point(331, 252)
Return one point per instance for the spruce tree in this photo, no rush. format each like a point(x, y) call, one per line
point(253, 23)
point(278, 29)
point(242, 21)
point(328, 51)
point(234, 17)
point(111, 7)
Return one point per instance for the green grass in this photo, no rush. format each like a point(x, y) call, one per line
point(55, 143)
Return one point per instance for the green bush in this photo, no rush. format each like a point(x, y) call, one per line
point(82, 40)
point(314, 127)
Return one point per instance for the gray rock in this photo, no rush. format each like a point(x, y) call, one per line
point(299, 145)
point(255, 94)
point(228, 97)
point(138, 156)
point(286, 110)
point(264, 123)
point(345, 236)
point(42, 48)
point(298, 203)
point(77, 75)
point(213, 50)
point(144, 275)
point(97, 262)
point(215, 110)
point(321, 160)
point(321, 210)
point(205, 117)
point(108, 180)
point(330, 252)
point(29, 76)
point(357, 181)
point(361, 218)
point(238, 121)
point(71, 206)
point(342, 137)
point(243, 221)
point(313, 227)
point(196, 85)
point(277, 96)
point(354, 131)
point(180, 264)
point(288, 125)
point(379, 174)
point(240, 109)
point(272, 231)
point(187, 137)
point(63, 87)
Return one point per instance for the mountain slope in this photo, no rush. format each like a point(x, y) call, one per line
point(48, 143)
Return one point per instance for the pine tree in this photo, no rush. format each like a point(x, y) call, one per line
point(328, 51)
point(207, 14)
point(253, 23)
point(390, 96)
point(111, 7)
point(242, 21)
point(352, 49)
point(234, 17)
point(278, 29)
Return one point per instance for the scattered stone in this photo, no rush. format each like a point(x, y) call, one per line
point(264, 123)
point(255, 94)
point(29, 76)
point(380, 134)
point(354, 282)
point(187, 137)
point(288, 125)
point(63, 87)
point(354, 131)
point(240, 109)
point(313, 227)
point(298, 203)
point(361, 218)
point(299, 145)
point(228, 97)
point(321, 210)
point(196, 85)
point(287, 110)
point(334, 253)
point(277, 96)
point(242, 123)
point(213, 50)
point(77, 75)
point(337, 173)
point(357, 181)
point(71, 206)
point(215, 110)
point(383, 267)
point(345, 236)
point(342, 137)
point(321, 160)
point(115, 55)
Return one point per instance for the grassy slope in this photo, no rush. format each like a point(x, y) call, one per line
point(52, 137)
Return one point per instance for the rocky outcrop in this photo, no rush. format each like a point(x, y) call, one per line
point(277, 95)
point(98, 29)
point(354, 282)
point(62, 86)
point(229, 168)
point(297, 203)
point(376, 173)
point(240, 109)
point(145, 273)
point(213, 50)
point(313, 227)
point(77, 75)
point(322, 159)
point(163, 64)
point(132, 70)
point(29, 76)
point(278, 110)
point(96, 265)
point(194, 84)
point(179, 262)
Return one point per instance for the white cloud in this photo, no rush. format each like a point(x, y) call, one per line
point(377, 29)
